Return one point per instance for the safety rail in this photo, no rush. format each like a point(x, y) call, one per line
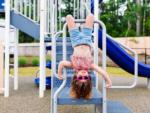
point(54, 73)
point(31, 10)
point(100, 23)
point(135, 65)
point(28, 8)
point(80, 8)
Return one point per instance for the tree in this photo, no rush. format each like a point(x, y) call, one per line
point(138, 21)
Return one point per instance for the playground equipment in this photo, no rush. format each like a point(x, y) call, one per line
point(43, 22)
point(48, 79)
point(1, 69)
point(60, 89)
point(2, 6)
point(48, 82)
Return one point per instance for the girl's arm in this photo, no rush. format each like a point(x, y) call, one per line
point(63, 64)
point(103, 73)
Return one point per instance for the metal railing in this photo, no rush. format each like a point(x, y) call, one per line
point(56, 93)
point(28, 8)
point(31, 10)
point(135, 65)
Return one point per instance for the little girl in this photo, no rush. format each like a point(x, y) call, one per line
point(81, 60)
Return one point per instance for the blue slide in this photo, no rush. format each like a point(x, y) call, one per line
point(122, 58)
point(1, 6)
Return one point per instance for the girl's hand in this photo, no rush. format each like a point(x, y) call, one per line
point(60, 76)
point(108, 84)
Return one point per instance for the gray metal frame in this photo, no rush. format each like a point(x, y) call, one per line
point(135, 66)
point(100, 23)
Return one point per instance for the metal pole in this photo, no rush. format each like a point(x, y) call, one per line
point(7, 35)
point(53, 51)
point(81, 9)
point(38, 10)
point(59, 9)
point(21, 6)
point(1, 68)
point(16, 60)
point(56, 7)
point(78, 7)
point(96, 38)
point(30, 4)
point(145, 56)
point(96, 14)
point(34, 10)
point(74, 8)
point(42, 48)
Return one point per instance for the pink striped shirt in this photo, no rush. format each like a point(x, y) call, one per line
point(81, 63)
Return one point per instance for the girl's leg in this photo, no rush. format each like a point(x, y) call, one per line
point(70, 22)
point(89, 21)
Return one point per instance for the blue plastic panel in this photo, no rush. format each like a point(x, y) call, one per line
point(64, 98)
point(25, 25)
point(1, 5)
point(58, 82)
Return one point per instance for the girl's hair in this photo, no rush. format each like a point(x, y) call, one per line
point(81, 89)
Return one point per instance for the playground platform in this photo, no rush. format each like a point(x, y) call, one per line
point(26, 99)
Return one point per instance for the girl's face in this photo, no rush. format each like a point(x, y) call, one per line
point(83, 75)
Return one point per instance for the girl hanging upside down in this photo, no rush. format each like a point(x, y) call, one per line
point(81, 60)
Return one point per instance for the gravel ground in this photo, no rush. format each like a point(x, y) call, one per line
point(26, 100)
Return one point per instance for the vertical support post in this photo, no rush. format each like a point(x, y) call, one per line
point(81, 10)
point(42, 47)
point(7, 35)
point(104, 67)
point(56, 15)
point(1, 68)
point(21, 6)
point(96, 37)
point(25, 8)
point(78, 7)
point(34, 9)
point(38, 10)
point(30, 8)
point(74, 8)
point(53, 52)
point(59, 9)
point(148, 83)
point(16, 60)
point(145, 56)
point(96, 14)
point(16, 5)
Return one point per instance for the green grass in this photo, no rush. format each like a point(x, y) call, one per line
point(113, 71)
point(30, 71)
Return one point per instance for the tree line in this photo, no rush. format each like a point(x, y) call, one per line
point(135, 20)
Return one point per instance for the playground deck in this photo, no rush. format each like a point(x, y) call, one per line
point(26, 100)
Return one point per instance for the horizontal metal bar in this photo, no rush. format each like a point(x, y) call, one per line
point(83, 21)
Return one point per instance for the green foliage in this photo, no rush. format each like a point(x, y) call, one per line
point(24, 38)
point(35, 61)
point(2, 15)
point(147, 27)
point(120, 26)
point(69, 7)
point(22, 61)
